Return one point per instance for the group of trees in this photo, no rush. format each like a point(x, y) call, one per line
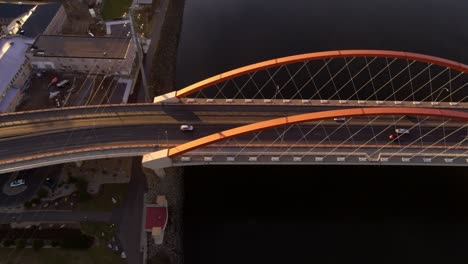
point(80, 183)
point(42, 193)
point(82, 186)
point(78, 242)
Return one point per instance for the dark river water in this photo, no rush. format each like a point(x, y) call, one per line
point(321, 214)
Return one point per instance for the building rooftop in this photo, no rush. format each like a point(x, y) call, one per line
point(118, 28)
point(12, 51)
point(80, 47)
point(155, 217)
point(38, 22)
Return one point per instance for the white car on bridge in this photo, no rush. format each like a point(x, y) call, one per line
point(186, 128)
point(402, 131)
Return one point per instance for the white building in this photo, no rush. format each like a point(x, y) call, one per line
point(14, 71)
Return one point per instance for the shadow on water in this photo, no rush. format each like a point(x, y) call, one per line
point(327, 214)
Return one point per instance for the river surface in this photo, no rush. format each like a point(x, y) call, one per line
point(321, 214)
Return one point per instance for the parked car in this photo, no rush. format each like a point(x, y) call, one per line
point(54, 81)
point(62, 83)
point(49, 182)
point(186, 128)
point(17, 183)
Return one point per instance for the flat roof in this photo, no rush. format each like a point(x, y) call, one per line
point(38, 22)
point(81, 47)
point(155, 217)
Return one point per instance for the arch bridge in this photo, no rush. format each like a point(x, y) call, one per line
point(335, 107)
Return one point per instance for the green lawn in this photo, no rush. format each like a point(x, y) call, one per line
point(96, 229)
point(103, 201)
point(115, 8)
point(95, 255)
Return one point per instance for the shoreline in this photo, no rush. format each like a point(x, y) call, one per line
point(162, 80)
point(163, 72)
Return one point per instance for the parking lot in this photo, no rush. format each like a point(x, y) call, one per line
point(33, 178)
point(80, 89)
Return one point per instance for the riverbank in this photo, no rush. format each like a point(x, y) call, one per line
point(163, 71)
point(172, 186)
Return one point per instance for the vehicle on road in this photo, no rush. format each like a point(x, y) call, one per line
point(339, 119)
point(401, 131)
point(186, 128)
point(17, 183)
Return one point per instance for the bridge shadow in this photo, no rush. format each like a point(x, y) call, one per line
point(180, 114)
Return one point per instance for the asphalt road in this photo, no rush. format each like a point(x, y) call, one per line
point(129, 216)
point(50, 131)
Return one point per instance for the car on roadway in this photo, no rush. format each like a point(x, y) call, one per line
point(339, 119)
point(186, 128)
point(17, 183)
point(401, 131)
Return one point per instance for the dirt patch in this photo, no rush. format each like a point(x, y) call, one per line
point(98, 172)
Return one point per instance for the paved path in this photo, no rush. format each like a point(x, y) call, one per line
point(129, 217)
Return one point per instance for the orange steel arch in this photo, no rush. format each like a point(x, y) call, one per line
point(317, 56)
point(315, 116)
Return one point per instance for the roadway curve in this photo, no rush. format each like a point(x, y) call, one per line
point(317, 56)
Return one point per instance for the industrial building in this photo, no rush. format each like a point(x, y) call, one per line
point(94, 55)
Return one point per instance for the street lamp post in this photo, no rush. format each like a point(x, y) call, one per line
point(276, 92)
point(440, 93)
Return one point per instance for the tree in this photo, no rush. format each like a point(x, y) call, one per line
point(8, 243)
point(79, 242)
point(82, 186)
point(35, 201)
point(38, 244)
point(20, 243)
point(42, 193)
point(55, 243)
point(27, 204)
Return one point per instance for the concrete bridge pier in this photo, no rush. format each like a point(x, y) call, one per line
point(157, 162)
point(166, 98)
